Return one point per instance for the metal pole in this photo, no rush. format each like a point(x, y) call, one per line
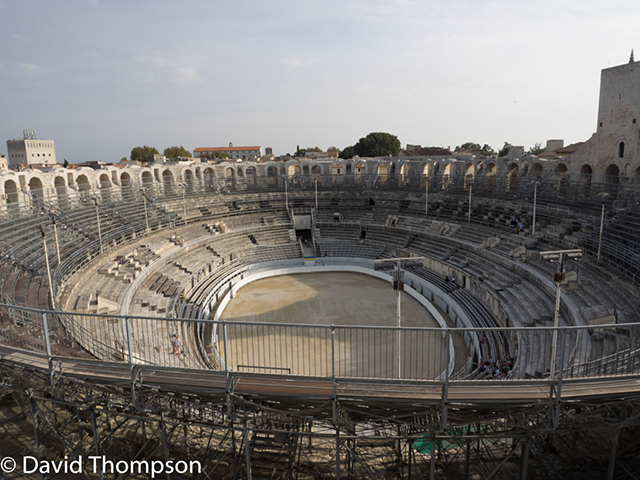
point(55, 233)
point(535, 198)
point(470, 190)
point(316, 182)
point(556, 318)
point(286, 193)
point(426, 198)
point(98, 218)
point(146, 218)
point(184, 205)
point(601, 228)
point(46, 259)
point(398, 313)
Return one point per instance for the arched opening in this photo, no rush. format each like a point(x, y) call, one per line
point(491, 175)
point(512, 178)
point(189, 180)
point(637, 176)
point(229, 177)
point(272, 176)
point(621, 150)
point(586, 174)
point(447, 176)
point(612, 174)
point(337, 170)
point(561, 180)
point(209, 179)
point(316, 173)
point(105, 188)
point(84, 187)
point(382, 174)
point(425, 174)
point(35, 187)
point(61, 191)
point(404, 176)
point(147, 179)
point(167, 181)
point(11, 194)
point(536, 171)
point(125, 182)
point(469, 174)
point(359, 173)
point(294, 175)
point(250, 175)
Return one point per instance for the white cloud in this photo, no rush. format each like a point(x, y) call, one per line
point(188, 76)
point(30, 68)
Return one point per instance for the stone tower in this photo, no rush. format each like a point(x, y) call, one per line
point(618, 131)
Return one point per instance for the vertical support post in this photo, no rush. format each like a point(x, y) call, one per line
point(227, 373)
point(96, 437)
point(184, 203)
point(36, 426)
point(286, 193)
point(55, 233)
point(247, 449)
point(445, 392)
point(47, 342)
point(470, 190)
point(426, 198)
point(337, 452)
point(612, 457)
point(316, 182)
point(601, 228)
point(524, 463)
point(165, 444)
point(95, 200)
point(432, 465)
point(146, 216)
point(46, 259)
point(398, 316)
point(535, 201)
point(554, 341)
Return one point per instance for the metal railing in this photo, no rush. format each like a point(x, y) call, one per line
point(356, 352)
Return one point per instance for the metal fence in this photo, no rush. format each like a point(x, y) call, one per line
point(328, 351)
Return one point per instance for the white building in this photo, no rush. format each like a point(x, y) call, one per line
point(30, 152)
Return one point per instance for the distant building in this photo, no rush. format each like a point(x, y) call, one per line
point(268, 151)
point(3, 163)
point(31, 152)
point(236, 153)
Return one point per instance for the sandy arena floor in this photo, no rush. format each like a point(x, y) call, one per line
point(352, 300)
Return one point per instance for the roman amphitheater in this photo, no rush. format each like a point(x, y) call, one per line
point(504, 352)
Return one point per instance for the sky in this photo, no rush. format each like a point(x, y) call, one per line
point(100, 77)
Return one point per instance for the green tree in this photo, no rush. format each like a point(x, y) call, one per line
point(176, 152)
point(376, 144)
point(476, 149)
point(504, 150)
point(347, 152)
point(143, 154)
point(303, 151)
point(537, 149)
point(65, 163)
point(333, 149)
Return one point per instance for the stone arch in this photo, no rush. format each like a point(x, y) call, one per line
point(586, 175)
point(125, 180)
point(250, 176)
point(512, 177)
point(337, 171)
point(404, 175)
point(612, 174)
point(36, 188)
point(469, 175)
point(209, 179)
point(425, 173)
point(272, 176)
point(11, 193)
point(60, 185)
point(167, 181)
point(536, 170)
point(229, 177)
point(491, 173)
point(105, 187)
point(383, 174)
point(447, 175)
point(561, 179)
point(147, 179)
point(84, 187)
point(293, 172)
point(189, 180)
point(359, 173)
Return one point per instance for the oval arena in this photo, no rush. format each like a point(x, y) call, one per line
point(278, 281)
